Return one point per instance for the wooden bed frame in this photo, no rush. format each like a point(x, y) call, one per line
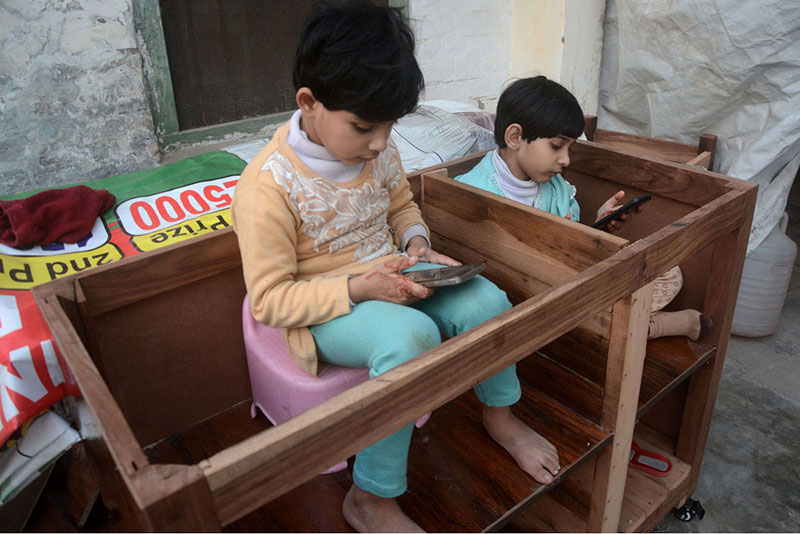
point(155, 345)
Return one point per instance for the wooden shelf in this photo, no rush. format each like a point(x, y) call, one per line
point(448, 489)
point(669, 361)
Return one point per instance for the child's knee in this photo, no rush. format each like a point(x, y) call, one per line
point(489, 300)
point(496, 300)
point(406, 342)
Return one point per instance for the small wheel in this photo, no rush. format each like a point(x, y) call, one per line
point(683, 513)
point(689, 510)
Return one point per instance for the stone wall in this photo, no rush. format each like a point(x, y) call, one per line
point(72, 100)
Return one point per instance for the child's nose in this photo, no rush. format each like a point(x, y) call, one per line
point(563, 159)
point(378, 143)
point(380, 139)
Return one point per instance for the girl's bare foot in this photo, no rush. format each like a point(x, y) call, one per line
point(366, 512)
point(533, 453)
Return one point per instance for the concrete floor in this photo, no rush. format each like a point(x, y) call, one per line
point(751, 475)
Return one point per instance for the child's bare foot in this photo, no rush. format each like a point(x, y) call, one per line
point(533, 453)
point(366, 512)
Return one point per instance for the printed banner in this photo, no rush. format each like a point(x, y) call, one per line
point(154, 208)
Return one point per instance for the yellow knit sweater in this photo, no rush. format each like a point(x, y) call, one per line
point(301, 235)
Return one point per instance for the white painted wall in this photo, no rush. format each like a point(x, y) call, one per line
point(470, 49)
point(463, 48)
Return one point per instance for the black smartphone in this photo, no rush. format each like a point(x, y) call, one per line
point(444, 276)
point(638, 201)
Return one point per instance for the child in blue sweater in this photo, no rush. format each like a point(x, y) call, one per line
point(538, 120)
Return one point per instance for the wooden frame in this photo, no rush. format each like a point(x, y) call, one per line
point(150, 341)
point(701, 154)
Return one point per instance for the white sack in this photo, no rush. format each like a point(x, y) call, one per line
point(679, 69)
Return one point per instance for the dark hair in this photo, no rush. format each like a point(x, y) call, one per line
point(542, 107)
point(358, 57)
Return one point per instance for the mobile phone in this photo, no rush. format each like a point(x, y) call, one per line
point(444, 276)
point(613, 216)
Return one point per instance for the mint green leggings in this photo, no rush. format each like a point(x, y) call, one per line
point(381, 335)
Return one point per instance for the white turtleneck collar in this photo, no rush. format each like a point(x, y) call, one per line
point(317, 156)
point(524, 191)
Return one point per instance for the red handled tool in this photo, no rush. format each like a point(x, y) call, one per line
point(649, 462)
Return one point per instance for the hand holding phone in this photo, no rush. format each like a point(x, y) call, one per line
point(617, 214)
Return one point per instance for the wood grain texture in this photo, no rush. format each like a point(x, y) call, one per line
point(726, 271)
point(129, 280)
point(165, 373)
point(626, 355)
point(672, 180)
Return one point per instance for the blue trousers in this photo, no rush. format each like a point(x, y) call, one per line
point(381, 335)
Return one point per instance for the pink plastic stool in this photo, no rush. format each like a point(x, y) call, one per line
point(280, 389)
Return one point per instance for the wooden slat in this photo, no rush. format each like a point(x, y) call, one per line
point(668, 363)
point(129, 280)
point(703, 160)
point(563, 384)
point(673, 180)
point(454, 167)
point(650, 146)
point(126, 452)
point(623, 378)
point(726, 271)
point(528, 239)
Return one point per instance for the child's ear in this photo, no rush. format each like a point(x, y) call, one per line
point(305, 100)
point(513, 136)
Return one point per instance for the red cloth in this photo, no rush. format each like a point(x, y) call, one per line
point(56, 215)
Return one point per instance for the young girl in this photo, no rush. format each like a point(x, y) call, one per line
point(326, 226)
point(537, 122)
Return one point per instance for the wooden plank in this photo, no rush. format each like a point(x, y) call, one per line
point(669, 362)
point(549, 514)
point(708, 143)
point(522, 237)
point(563, 384)
point(448, 489)
point(198, 326)
point(726, 271)
point(584, 349)
point(672, 180)
point(454, 167)
point(107, 415)
point(451, 490)
point(518, 285)
point(649, 146)
point(623, 378)
point(589, 126)
point(703, 160)
point(129, 280)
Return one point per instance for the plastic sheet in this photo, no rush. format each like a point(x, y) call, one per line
point(679, 69)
